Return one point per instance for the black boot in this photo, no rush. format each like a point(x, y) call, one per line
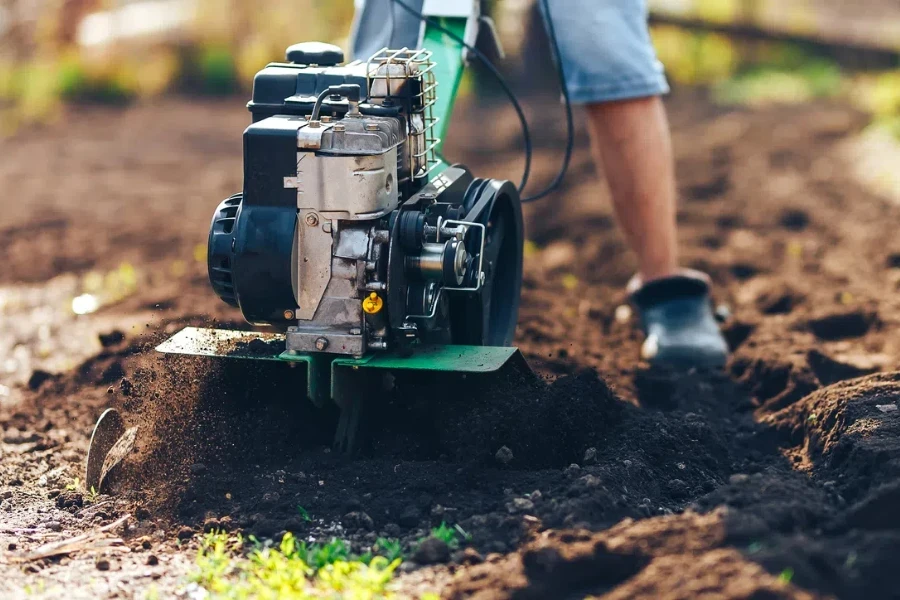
point(678, 320)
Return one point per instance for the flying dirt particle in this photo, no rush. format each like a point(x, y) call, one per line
point(590, 456)
point(185, 533)
point(431, 551)
point(111, 339)
point(102, 564)
point(504, 455)
point(37, 379)
point(152, 560)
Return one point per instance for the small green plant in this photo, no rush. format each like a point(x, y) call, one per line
point(450, 535)
point(292, 570)
point(390, 548)
point(319, 556)
point(304, 514)
point(786, 575)
point(92, 495)
point(73, 485)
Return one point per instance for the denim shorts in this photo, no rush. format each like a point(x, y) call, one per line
point(604, 45)
point(605, 50)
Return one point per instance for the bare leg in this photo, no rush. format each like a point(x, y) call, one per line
point(630, 139)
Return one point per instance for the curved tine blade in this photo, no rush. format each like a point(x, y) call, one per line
point(107, 431)
point(115, 455)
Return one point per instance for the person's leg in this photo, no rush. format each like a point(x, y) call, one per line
point(630, 139)
point(610, 67)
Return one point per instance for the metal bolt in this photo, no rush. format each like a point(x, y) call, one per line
point(371, 127)
point(321, 344)
point(312, 220)
point(326, 119)
point(355, 331)
point(289, 315)
point(339, 127)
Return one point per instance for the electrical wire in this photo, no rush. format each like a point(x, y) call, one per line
point(526, 132)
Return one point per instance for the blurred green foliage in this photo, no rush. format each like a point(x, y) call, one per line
point(217, 50)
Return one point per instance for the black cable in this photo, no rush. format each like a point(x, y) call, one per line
point(570, 127)
point(526, 133)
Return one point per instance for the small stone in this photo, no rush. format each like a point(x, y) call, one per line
point(627, 463)
point(69, 499)
point(142, 514)
point(211, 524)
point(590, 456)
point(102, 564)
point(358, 520)
point(12, 546)
point(572, 471)
point(53, 525)
point(520, 505)
point(623, 313)
point(407, 567)
point(198, 469)
point(469, 556)
point(590, 481)
point(431, 551)
point(145, 543)
point(723, 313)
point(152, 560)
point(504, 455)
point(270, 498)
point(738, 479)
point(185, 533)
point(886, 408)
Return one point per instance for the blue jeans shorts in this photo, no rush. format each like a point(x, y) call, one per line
point(605, 50)
point(604, 45)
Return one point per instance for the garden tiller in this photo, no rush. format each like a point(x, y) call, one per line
point(354, 239)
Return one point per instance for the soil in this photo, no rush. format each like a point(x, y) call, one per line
point(776, 478)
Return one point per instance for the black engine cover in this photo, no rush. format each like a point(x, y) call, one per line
point(257, 246)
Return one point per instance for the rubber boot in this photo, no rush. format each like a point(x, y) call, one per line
point(678, 321)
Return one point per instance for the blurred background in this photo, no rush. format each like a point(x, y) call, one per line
point(120, 51)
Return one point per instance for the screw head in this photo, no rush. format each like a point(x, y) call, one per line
point(312, 220)
point(289, 315)
point(321, 344)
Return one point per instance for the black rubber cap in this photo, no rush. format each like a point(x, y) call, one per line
point(315, 53)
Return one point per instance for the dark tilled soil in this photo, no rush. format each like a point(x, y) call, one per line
point(776, 478)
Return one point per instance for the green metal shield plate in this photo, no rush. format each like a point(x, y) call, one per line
point(456, 359)
point(250, 345)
